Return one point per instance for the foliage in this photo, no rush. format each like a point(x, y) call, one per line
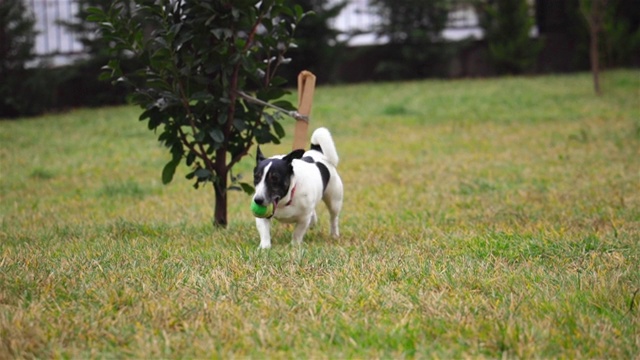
point(17, 38)
point(412, 21)
point(414, 29)
point(87, 31)
point(621, 30)
point(318, 48)
point(485, 218)
point(507, 25)
point(195, 57)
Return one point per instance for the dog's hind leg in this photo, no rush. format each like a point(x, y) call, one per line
point(334, 206)
point(314, 219)
point(301, 229)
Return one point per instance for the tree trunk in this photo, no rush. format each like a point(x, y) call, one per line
point(595, 54)
point(220, 214)
point(220, 189)
point(593, 11)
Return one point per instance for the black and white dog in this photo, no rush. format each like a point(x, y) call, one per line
point(295, 183)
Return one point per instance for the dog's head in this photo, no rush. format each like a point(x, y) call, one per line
point(272, 177)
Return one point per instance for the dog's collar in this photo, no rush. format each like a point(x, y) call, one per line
point(293, 191)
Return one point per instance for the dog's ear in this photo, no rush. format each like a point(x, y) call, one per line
point(259, 156)
point(295, 154)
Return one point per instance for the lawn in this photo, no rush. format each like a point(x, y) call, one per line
point(482, 218)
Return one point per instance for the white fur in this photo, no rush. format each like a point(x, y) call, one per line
point(322, 137)
point(307, 181)
point(260, 188)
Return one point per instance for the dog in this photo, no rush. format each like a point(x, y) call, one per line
point(295, 183)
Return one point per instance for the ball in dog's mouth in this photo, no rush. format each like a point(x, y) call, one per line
point(261, 211)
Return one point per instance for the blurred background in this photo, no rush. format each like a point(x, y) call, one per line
point(50, 57)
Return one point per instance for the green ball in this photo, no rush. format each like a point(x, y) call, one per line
point(261, 211)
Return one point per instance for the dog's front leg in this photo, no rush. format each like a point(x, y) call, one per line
point(264, 229)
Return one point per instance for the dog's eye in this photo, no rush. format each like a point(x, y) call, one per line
point(274, 177)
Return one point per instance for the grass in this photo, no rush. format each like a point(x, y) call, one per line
point(483, 218)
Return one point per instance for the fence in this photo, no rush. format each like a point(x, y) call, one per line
point(359, 20)
point(59, 45)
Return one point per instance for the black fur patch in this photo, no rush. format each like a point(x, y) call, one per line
point(308, 159)
point(326, 175)
point(316, 147)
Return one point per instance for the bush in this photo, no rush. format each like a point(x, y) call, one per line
point(507, 25)
point(17, 37)
point(414, 29)
point(318, 49)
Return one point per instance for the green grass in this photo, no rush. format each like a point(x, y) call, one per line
point(483, 218)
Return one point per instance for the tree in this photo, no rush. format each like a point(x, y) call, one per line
point(413, 21)
point(594, 13)
point(507, 25)
point(413, 28)
point(318, 49)
point(196, 57)
point(621, 30)
point(17, 38)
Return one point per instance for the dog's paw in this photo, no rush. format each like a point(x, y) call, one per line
point(264, 246)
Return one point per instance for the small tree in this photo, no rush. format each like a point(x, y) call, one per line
point(507, 25)
point(594, 13)
point(197, 56)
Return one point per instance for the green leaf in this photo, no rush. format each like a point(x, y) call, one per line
point(239, 124)
point(201, 96)
point(169, 170)
point(287, 105)
point(299, 12)
point(114, 66)
point(217, 136)
point(247, 188)
point(155, 119)
point(278, 129)
point(146, 114)
point(95, 17)
point(158, 83)
point(278, 81)
point(104, 76)
point(191, 157)
point(202, 174)
point(94, 10)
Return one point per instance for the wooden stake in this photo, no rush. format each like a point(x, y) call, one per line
point(306, 88)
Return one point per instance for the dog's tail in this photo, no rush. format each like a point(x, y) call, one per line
point(322, 141)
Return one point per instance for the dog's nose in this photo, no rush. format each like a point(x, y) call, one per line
point(259, 200)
